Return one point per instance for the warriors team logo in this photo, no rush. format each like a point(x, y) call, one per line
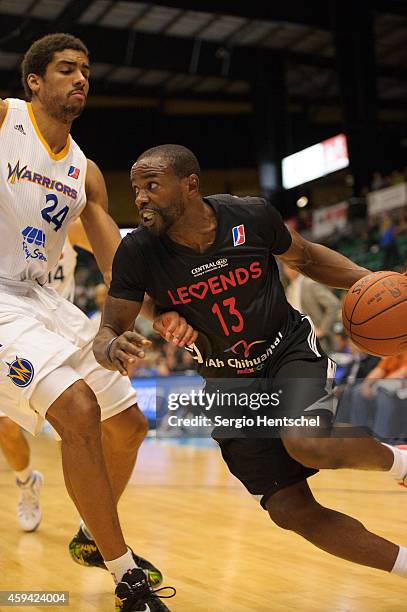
point(238, 234)
point(21, 371)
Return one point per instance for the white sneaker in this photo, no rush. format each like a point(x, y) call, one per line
point(28, 508)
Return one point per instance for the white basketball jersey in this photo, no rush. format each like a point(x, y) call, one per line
point(62, 277)
point(40, 194)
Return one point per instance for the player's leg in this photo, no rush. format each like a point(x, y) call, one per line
point(295, 508)
point(280, 483)
point(15, 448)
point(122, 435)
point(124, 426)
point(17, 453)
point(123, 429)
point(322, 447)
point(349, 453)
point(75, 415)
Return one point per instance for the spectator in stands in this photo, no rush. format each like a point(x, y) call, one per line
point(378, 181)
point(315, 300)
point(388, 244)
point(359, 405)
point(185, 365)
point(396, 178)
point(357, 368)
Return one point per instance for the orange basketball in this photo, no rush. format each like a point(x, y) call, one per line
point(374, 313)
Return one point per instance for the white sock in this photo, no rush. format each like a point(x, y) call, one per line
point(86, 531)
point(399, 468)
point(400, 565)
point(118, 567)
point(24, 475)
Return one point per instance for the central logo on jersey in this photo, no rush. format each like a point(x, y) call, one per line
point(209, 267)
point(238, 234)
point(73, 172)
point(32, 239)
point(21, 372)
point(17, 173)
point(242, 347)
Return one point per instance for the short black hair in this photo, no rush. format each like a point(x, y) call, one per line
point(41, 53)
point(179, 158)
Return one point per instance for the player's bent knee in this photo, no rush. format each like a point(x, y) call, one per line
point(287, 513)
point(76, 412)
point(140, 422)
point(130, 427)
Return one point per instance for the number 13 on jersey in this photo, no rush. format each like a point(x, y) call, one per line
point(230, 304)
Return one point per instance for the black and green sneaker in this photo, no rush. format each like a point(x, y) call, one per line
point(85, 552)
point(134, 594)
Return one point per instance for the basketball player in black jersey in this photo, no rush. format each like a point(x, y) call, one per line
point(213, 261)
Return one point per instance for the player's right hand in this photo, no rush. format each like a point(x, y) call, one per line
point(125, 349)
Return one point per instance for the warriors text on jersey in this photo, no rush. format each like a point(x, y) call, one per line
point(231, 294)
point(40, 194)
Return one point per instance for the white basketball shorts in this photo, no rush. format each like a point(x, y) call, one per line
point(43, 337)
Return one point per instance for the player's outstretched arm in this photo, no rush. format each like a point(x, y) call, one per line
point(101, 230)
point(321, 263)
point(116, 347)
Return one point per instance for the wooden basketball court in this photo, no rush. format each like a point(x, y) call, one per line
point(213, 542)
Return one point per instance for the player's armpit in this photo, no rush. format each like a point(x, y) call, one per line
point(321, 263)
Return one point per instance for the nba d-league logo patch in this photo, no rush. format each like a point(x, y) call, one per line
point(73, 172)
point(238, 234)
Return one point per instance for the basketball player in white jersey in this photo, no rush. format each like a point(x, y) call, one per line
point(12, 440)
point(47, 370)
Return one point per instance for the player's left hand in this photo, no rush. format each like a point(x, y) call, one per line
point(174, 328)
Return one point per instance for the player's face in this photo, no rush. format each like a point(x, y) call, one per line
point(64, 87)
point(159, 194)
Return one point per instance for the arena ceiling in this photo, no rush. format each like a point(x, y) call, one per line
point(204, 49)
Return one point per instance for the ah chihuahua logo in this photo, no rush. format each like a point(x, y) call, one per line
point(244, 345)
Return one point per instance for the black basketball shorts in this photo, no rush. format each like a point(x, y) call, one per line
point(305, 376)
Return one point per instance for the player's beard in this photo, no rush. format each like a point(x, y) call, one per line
point(63, 111)
point(165, 218)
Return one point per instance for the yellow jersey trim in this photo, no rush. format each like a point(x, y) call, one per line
point(5, 116)
point(53, 155)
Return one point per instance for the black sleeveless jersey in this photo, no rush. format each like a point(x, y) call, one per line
point(231, 294)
